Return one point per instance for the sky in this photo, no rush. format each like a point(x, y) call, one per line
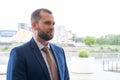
point(82, 17)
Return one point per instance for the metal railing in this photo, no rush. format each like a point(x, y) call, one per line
point(112, 63)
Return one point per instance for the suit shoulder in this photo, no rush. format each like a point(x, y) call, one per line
point(56, 46)
point(21, 47)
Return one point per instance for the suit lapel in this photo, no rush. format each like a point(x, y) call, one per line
point(39, 57)
point(57, 59)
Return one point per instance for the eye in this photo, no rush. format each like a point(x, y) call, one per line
point(49, 23)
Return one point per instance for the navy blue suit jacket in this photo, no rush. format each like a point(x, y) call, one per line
point(27, 63)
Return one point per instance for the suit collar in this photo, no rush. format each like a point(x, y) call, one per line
point(57, 58)
point(39, 57)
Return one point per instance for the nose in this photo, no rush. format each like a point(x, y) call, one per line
point(51, 26)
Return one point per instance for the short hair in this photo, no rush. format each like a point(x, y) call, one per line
point(35, 16)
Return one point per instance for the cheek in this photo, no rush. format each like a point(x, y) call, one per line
point(44, 28)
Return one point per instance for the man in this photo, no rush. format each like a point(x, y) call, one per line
point(29, 61)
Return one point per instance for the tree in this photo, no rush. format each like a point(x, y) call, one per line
point(89, 40)
point(109, 40)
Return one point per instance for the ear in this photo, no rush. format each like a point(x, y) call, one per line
point(34, 25)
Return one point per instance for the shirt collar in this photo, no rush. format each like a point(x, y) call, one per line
point(40, 45)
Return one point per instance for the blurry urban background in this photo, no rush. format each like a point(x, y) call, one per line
point(91, 25)
point(105, 50)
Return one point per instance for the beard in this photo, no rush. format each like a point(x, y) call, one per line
point(45, 35)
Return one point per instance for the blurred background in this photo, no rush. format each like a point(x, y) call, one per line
point(92, 25)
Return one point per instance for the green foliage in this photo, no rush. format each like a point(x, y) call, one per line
point(109, 40)
point(83, 53)
point(17, 43)
point(116, 50)
point(101, 48)
point(6, 48)
point(112, 49)
point(76, 39)
point(89, 40)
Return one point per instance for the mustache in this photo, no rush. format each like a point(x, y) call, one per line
point(50, 31)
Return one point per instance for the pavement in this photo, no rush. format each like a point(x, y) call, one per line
point(99, 74)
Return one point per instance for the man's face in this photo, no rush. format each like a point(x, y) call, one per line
point(46, 26)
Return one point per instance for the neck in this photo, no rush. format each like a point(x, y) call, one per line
point(45, 43)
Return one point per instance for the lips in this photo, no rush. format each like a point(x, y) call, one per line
point(51, 31)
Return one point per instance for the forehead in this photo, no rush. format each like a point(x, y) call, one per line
point(46, 16)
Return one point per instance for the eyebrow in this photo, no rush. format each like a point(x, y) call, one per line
point(49, 22)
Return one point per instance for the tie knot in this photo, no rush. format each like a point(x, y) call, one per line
point(45, 49)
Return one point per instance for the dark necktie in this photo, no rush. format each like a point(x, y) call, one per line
point(51, 62)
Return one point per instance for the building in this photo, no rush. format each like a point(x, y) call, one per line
point(24, 33)
point(7, 34)
point(20, 33)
